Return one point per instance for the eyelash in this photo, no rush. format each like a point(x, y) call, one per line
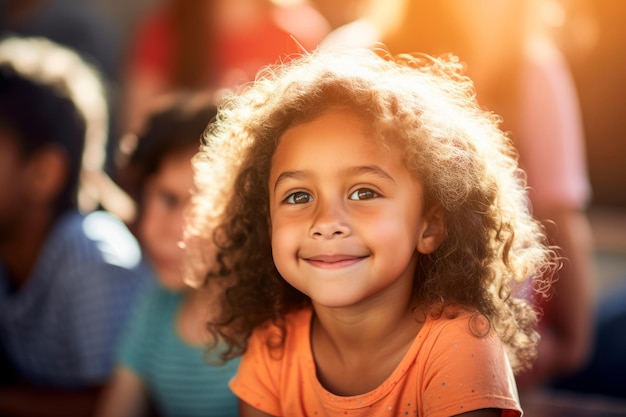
point(293, 198)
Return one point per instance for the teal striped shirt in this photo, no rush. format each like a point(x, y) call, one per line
point(180, 381)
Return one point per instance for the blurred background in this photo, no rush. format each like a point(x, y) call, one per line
point(592, 36)
point(147, 48)
point(594, 41)
point(590, 33)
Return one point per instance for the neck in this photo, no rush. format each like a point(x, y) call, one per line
point(193, 315)
point(371, 329)
point(345, 344)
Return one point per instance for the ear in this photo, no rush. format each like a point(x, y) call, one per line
point(433, 232)
point(46, 174)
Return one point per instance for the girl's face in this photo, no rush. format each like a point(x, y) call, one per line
point(347, 219)
point(166, 194)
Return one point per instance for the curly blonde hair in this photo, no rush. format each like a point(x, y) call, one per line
point(468, 167)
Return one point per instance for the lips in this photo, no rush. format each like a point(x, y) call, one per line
point(334, 261)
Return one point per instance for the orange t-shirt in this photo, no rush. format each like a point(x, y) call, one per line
point(447, 371)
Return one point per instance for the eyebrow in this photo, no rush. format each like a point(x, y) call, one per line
point(287, 175)
point(374, 170)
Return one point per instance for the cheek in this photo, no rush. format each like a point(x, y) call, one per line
point(13, 191)
point(394, 244)
point(392, 235)
point(281, 242)
point(149, 224)
point(159, 231)
point(396, 231)
point(148, 236)
point(286, 239)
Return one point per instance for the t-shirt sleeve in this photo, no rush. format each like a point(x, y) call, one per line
point(257, 379)
point(468, 371)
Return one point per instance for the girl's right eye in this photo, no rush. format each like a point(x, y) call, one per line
point(299, 197)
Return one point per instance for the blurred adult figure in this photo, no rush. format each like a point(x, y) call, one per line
point(68, 279)
point(519, 74)
point(590, 37)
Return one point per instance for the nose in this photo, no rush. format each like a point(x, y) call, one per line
point(331, 221)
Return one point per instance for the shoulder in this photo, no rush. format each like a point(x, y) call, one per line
point(270, 372)
point(157, 302)
point(456, 325)
point(93, 242)
point(299, 321)
point(546, 71)
point(148, 325)
point(116, 243)
point(463, 338)
point(271, 348)
point(94, 254)
point(266, 339)
point(466, 363)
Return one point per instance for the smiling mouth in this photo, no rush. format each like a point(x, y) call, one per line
point(333, 261)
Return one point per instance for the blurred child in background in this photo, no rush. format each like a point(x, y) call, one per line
point(162, 357)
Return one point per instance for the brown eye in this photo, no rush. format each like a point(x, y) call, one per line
point(299, 197)
point(363, 194)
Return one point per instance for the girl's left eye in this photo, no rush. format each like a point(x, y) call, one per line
point(363, 194)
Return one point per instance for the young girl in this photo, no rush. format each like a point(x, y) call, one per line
point(162, 359)
point(370, 225)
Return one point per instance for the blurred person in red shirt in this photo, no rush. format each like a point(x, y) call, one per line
point(219, 44)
